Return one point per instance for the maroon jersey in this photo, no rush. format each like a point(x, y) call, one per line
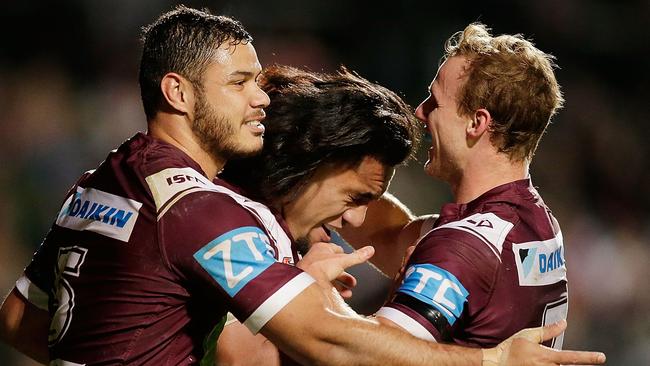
point(147, 255)
point(487, 269)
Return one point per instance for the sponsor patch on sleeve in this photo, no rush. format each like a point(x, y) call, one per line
point(540, 263)
point(436, 287)
point(101, 212)
point(169, 183)
point(236, 258)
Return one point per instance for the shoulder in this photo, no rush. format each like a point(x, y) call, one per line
point(193, 202)
point(483, 232)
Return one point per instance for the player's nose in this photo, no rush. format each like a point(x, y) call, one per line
point(355, 216)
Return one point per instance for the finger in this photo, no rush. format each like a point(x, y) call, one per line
point(552, 330)
point(335, 248)
point(578, 358)
point(357, 257)
point(346, 280)
point(531, 334)
point(345, 292)
point(318, 246)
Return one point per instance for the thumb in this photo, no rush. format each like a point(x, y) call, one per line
point(541, 334)
point(553, 330)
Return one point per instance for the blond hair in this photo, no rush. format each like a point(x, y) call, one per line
point(513, 80)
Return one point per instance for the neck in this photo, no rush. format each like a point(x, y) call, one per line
point(176, 130)
point(294, 224)
point(483, 175)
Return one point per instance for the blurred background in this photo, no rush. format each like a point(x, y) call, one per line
point(69, 94)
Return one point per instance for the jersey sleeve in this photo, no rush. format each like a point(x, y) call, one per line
point(37, 280)
point(448, 276)
point(212, 241)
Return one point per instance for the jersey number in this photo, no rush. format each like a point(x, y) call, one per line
point(69, 262)
point(553, 312)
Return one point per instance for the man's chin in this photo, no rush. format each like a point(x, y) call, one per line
point(252, 149)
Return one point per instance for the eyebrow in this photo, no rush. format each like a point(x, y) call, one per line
point(247, 74)
point(365, 197)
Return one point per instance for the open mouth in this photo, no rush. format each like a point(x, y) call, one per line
point(327, 230)
point(256, 126)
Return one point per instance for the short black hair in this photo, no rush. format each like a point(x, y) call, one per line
point(317, 119)
point(184, 41)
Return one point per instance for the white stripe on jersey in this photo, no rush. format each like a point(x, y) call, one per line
point(32, 293)
point(277, 301)
point(170, 185)
point(406, 322)
point(60, 362)
point(488, 227)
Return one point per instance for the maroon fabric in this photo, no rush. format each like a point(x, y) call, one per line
point(146, 300)
point(497, 305)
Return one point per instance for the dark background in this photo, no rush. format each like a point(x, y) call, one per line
point(69, 93)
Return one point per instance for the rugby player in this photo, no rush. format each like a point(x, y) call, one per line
point(308, 159)
point(147, 254)
point(494, 261)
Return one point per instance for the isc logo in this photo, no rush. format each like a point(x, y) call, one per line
point(182, 178)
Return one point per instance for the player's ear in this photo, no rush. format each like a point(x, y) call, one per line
point(178, 92)
point(479, 124)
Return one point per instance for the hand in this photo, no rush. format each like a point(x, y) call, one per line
point(326, 262)
point(523, 349)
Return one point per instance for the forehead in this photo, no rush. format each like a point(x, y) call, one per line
point(369, 178)
point(231, 60)
point(450, 75)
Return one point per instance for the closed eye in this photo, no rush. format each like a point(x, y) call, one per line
point(362, 199)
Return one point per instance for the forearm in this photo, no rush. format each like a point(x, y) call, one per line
point(376, 344)
point(24, 327)
point(328, 337)
point(237, 346)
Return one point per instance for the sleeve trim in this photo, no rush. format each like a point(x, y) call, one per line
point(277, 301)
point(32, 293)
point(406, 322)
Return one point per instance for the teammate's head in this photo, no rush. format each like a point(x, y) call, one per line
point(184, 41)
point(506, 76)
point(204, 68)
point(331, 143)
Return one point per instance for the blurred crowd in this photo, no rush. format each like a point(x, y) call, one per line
point(69, 94)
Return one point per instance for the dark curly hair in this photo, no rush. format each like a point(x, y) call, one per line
point(316, 119)
point(184, 41)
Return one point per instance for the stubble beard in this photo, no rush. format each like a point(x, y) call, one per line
point(217, 136)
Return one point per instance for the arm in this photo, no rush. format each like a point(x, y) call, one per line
point(24, 327)
point(343, 340)
point(237, 346)
point(316, 327)
point(343, 337)
point(335, 339)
